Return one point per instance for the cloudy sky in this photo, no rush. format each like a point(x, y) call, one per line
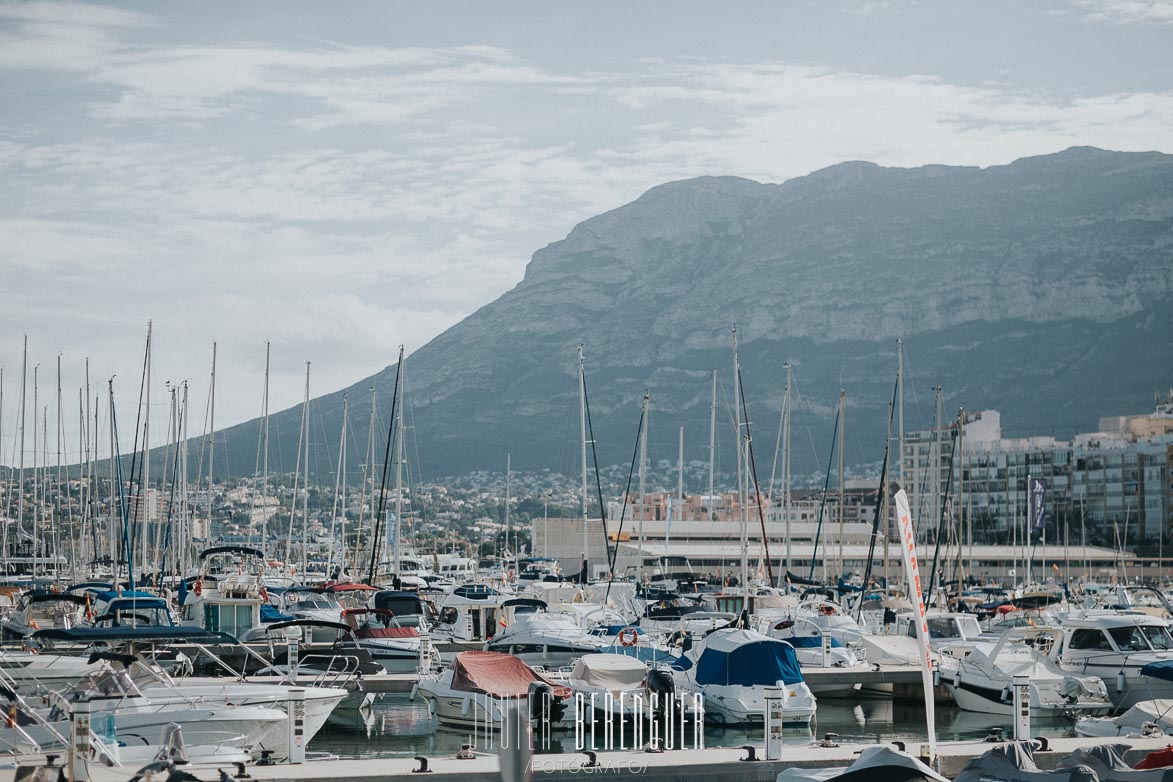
point(340, 178)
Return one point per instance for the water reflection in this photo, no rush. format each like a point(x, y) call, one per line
point(396, 726)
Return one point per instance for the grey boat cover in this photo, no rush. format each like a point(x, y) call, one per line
point(1014, 762)
point(874, 764)
point(1107, 760)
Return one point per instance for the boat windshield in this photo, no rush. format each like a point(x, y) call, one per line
point(1158, 637)
point(107, 684)
point(1141, 638)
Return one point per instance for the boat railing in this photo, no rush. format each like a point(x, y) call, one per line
point(346, 675)
point(19, 702)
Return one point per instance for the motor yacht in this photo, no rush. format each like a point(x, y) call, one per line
point(983, 680)
point(733, 668)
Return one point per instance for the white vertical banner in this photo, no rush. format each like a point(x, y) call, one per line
point(908, 549)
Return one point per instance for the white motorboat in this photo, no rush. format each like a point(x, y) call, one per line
point(1147, 718)
point(33, 673)
point(121, 712)
point(227, 593)
point(733, 668)
point(1133, 653)
point(475, 691)
point(818, 650)
point(398, 648)
point(41, 609)
point(469, 616)
point(617, 686)
point(982, 681)
point(538, 637)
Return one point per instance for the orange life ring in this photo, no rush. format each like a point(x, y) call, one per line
point(628, 636)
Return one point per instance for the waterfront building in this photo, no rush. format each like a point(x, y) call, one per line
point(1110, 487)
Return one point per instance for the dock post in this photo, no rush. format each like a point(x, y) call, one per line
point(826, 646)
point(293, 657)
point(1021, 707)
point(295, 708)
point(79, 741)
point(774, 722)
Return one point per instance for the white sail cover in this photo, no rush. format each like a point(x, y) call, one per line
point(611, 672)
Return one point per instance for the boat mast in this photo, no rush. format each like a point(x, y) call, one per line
point(899, 452)
point(265, 457)
point(508, 519)
point(712, 447)
point(399, 437)
point(742, 481)
point(36, 479)
point(305, 477)
point(24, 363)
point(185, 510)
point(680, 474)
point(115, 492)
point(842, 493)
point(786, 467)
point(61, 484)
point(144, 505)
point(211, 439)
point(297, 474)
point(582, 428)
point(367, 482)
point(643, 464)
point(737, 407)
point(339, 488)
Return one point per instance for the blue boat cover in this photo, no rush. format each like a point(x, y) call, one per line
point(1162, 670)
point(270, 613)
point(127, 593)
point(811, 642)
point(747, 659)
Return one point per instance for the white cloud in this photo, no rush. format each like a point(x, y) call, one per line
point(1127, 11)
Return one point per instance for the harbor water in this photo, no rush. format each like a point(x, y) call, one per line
point(399, 727)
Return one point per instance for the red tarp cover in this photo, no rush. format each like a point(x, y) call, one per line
point(1162, 758)
point(498, 674)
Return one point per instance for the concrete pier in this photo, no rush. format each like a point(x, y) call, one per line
point(674, 766)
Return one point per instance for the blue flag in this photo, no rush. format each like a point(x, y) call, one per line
point(1038, 503)
point(182, 591)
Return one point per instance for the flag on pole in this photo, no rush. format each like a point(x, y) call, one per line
point(1038, 504)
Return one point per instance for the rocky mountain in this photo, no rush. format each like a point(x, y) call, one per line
point(1042, 288)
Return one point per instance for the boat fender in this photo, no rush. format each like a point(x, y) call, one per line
point(415, 690)
point(465, 703)
point(957, 678)
point(1007, 695)
point(1120, 681)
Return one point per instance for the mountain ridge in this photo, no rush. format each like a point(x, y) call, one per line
point(1001, 280)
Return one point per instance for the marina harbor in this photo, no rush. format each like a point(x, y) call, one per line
point(475, 391)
